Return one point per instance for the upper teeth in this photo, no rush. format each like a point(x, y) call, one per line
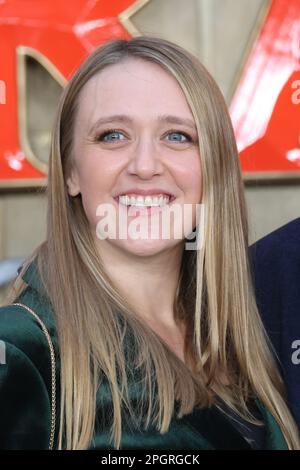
point(159, 200)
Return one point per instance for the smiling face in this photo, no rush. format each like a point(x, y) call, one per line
point(135, 135)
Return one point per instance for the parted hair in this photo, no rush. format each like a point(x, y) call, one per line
point(215, 296)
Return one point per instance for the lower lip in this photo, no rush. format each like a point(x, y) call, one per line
point(143, 210)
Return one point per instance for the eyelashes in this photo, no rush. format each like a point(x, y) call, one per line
point(102, 135)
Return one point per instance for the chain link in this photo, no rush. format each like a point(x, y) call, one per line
point(53, 372)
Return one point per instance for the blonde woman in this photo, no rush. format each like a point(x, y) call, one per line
point(140, 343)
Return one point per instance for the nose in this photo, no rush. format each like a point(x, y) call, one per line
point(145, 161)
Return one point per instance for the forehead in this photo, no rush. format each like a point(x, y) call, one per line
point(132, 86)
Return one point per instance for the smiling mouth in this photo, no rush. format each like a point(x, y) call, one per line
point(141, 205)
point(145, 201)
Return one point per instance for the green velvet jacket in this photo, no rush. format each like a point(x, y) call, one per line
point(26, 402)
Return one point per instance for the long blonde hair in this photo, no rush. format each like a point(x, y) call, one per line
point(214, 299)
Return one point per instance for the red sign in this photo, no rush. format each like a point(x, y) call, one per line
point(266, 106)
point(60, 34)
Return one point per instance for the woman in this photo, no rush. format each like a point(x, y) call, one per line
point(152, 345)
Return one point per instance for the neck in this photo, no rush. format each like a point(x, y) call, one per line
point(149, 283)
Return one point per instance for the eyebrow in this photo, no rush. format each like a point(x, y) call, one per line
point(164, 118)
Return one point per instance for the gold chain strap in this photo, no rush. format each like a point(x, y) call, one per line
point(53, 372)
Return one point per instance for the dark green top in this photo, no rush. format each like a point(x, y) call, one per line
point(25, 393)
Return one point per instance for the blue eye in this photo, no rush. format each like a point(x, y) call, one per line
point(111, 133)
point(187, 138)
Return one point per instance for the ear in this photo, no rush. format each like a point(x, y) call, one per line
point(73, 183)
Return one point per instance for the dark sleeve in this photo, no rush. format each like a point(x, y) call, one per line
point(25, 407)
point(276, 272)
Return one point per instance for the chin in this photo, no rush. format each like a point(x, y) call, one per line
point(145, 247)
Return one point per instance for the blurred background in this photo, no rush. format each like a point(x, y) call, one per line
point(222, 34)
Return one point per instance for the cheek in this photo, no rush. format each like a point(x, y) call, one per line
point(97, 173)
point(194, 187)
point(191, 183)
point(191, 180)
point(96, 183)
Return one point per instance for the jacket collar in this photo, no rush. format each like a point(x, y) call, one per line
point(31, 275)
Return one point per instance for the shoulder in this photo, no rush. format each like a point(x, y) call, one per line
point(29, 366)
point(29, 325)
point(20, 328)
point(275, 262)
point(283, 242)
point(276, 275)
point(25, 381)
